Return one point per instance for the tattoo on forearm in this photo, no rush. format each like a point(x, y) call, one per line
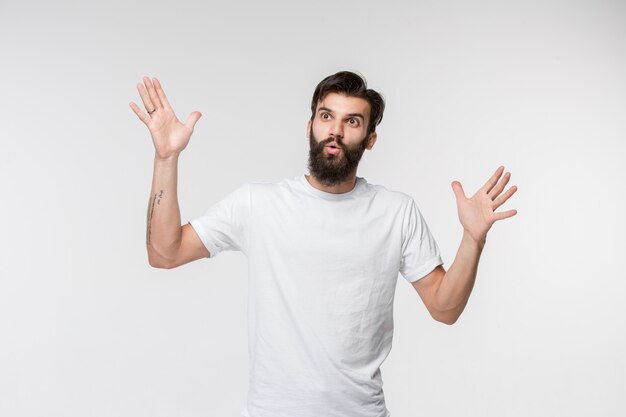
point(150, 212)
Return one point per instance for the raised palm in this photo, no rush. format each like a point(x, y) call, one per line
point(169, 135)
point(477, 213)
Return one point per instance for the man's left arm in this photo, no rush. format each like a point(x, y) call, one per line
point(445, 294)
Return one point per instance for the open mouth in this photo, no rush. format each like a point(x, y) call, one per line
point(333, 149)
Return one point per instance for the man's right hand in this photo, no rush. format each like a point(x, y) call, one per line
point(169, 135)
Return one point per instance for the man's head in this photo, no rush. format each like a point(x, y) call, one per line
point(344, 115)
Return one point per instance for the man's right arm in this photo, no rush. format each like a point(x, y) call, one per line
point(169, 244)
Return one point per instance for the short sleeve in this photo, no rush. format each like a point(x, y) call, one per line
point(420, 253)
point(224, 226)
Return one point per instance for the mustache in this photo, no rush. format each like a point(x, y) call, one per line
point(330, 140)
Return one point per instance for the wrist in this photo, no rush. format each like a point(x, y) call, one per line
point(166, 159)
point(476, 242)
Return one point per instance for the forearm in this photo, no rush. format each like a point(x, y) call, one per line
point(458, 282)
point(163, 229)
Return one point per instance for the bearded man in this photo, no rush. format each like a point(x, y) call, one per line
point(324, 253)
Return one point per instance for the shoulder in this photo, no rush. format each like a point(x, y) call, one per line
point(262, 186)
point(269, 187)
point(391, 196)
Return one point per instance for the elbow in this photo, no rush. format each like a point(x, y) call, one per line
point(159, 265)
point(448, 315)
point(448, 321)
point(448, 318)
point(157, 261)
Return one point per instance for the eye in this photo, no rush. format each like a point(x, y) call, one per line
point(324, 116)
point(353, 121)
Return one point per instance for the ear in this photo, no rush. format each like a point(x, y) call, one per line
point(308, 128)
point(371, 140)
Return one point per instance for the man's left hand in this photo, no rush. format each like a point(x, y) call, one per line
point(477, 214)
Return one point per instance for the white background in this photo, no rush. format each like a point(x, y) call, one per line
point(88, 328)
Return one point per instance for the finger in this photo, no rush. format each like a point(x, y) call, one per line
point(192, 119)
point(147, 102)
point(152, 92)
point(458, 190)
point(493, 180)
point(502, 199)
point(500, 186)
point(504, 214)
point(161, 93)
point(142, 116)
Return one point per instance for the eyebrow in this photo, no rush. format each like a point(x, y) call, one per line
point(349, 114)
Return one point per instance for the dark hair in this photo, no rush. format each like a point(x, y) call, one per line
point(353, 85)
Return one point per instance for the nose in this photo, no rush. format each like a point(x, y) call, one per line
point(337, 128)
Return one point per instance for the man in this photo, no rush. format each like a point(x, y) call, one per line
point(324, 253)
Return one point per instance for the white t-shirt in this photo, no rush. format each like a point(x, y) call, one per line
point(323, 269)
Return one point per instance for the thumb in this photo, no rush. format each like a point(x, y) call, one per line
point(192, 119)
point(458, 190)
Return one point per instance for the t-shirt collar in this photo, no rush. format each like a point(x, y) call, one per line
point(360, 181)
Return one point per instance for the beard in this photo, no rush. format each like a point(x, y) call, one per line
point(332, 169)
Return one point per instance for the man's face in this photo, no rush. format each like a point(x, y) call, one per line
point(337, 137)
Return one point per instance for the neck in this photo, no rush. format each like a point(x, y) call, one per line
point(342, 187)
